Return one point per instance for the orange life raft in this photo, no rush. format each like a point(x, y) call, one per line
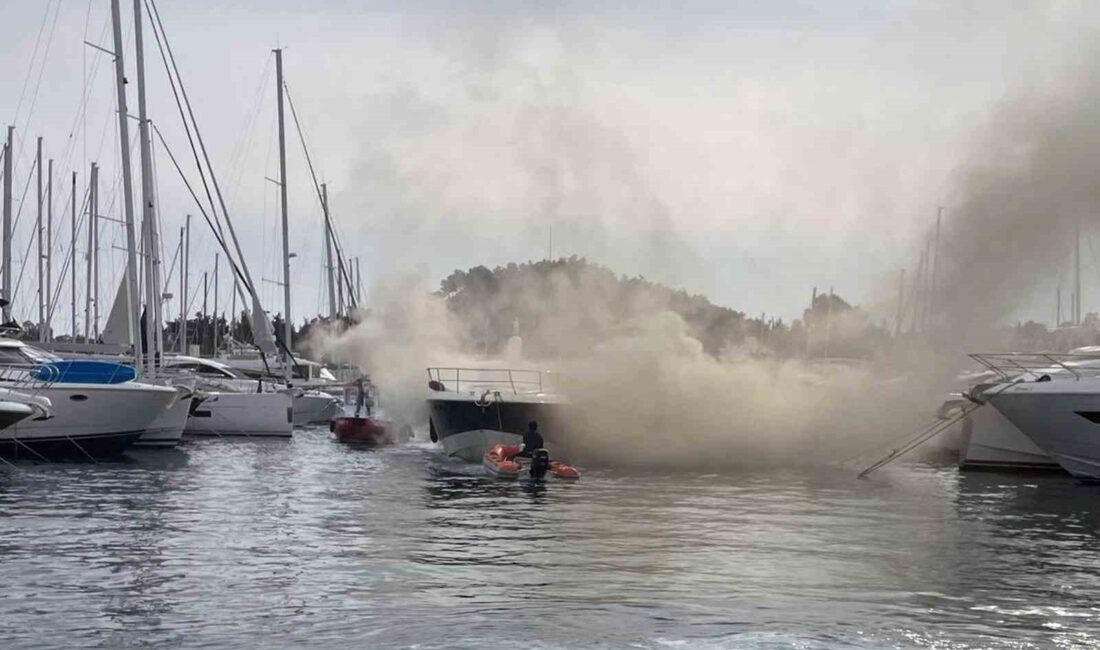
point(501, 461)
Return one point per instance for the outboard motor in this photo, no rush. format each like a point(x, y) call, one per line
point(540, 464)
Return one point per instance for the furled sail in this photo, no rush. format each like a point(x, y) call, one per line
point(117, 331)
point(263, 334)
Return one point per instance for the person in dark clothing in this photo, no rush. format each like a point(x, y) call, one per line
point(532, 439)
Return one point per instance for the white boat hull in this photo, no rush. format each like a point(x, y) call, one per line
point(13, 413)
point(242, 414)
point(991, 440)
point(472, 445)
point(1061, 418)
point(88, 419)
point(315, 407)
point(167, 429)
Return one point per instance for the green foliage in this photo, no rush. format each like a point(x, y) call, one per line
point(568, 305)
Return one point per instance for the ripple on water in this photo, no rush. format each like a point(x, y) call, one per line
point(307, 543)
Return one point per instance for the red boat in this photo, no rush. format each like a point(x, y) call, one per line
point(503, 461)
point(362, 428)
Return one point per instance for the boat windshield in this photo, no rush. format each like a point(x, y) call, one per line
point(208, 370)
point(34, 355)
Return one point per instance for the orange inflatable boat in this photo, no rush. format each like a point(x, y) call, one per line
point(503, 461)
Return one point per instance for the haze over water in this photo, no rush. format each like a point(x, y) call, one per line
point(312, 544)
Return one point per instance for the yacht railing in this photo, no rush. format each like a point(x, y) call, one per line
point(499, 379)
point(27, 377)
point(1010, 365)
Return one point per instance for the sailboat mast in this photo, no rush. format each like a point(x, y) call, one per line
point(72, 265)
point(150, 228)
point(329, 270)
point(127, 187)
point(340, 291)
point(217, 263)
point(47, 335)
point(8, 149)
point(91, 295)
point(39, 231)
point(1077, 275)
point(185, 269)
point(358, 284)
point(935, 264)
point(286, 228)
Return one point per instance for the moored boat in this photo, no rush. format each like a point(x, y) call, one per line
point(366, 426)
point(308, 406)
point(98, 410)
point(263, 415)
point(472, 409)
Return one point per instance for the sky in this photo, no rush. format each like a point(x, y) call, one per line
point(747, 151)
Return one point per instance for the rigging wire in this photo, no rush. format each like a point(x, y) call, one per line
point(158, 26)
point(244, 145)
point(30, 67)
point(70, 256)
point(41, 73)
point(317, 188)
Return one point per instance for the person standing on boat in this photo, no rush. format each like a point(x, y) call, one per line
point(532, 439)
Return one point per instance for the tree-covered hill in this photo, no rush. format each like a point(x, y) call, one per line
point(568, 305)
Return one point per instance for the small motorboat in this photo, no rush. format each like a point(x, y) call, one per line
point(363, 427)
point(503, 461)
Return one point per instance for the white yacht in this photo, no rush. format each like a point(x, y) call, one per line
point(235, 405)
point(472, 409)
point(989, 438)
point(1060, 417)
point(311, 406)
point(93, 415)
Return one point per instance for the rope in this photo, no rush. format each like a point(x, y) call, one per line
point(9, 463)
point(23, 444)
point(82, 450)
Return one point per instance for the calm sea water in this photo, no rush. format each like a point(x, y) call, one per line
point(312, 544)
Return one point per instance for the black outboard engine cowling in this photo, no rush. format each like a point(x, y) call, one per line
point(540, 463)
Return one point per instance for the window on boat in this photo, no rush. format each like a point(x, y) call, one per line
point(202, 369)
point(34, 355)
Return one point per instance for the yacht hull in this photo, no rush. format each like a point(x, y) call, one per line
point(1061, 418)
point(315, 407)
point(13, 412)
point(268, 415)
point(77, 447)
point(88, 420)
point(167, 430)
point(467, 429)
point(990, 440)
